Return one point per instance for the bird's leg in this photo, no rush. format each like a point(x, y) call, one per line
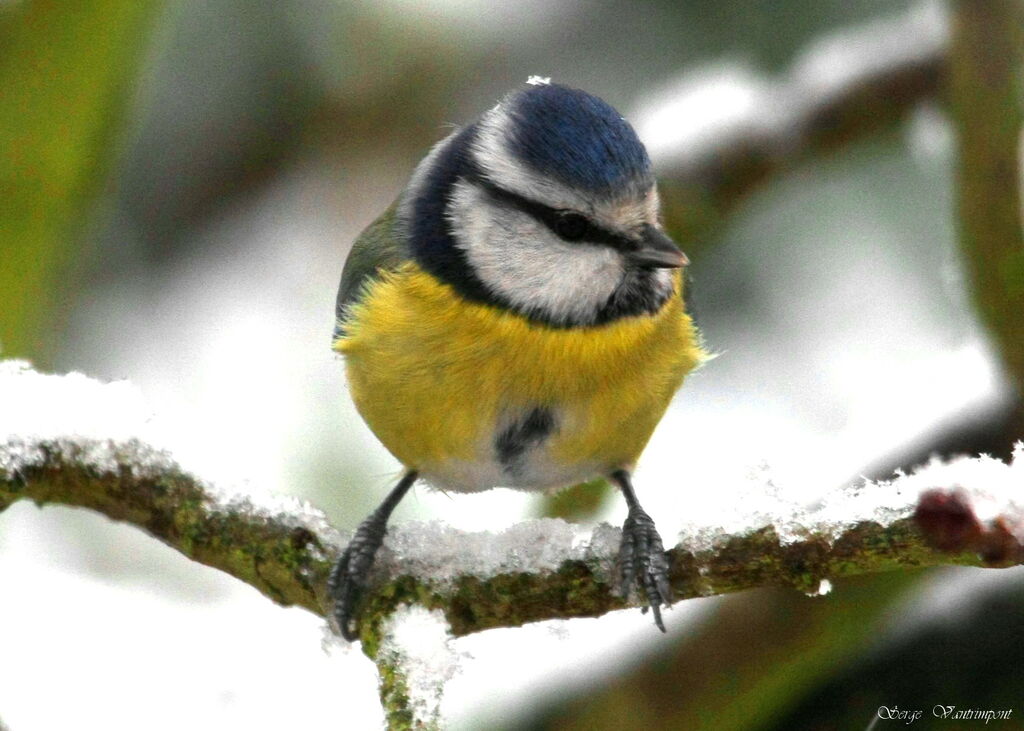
point(642, 562)
point(351, 573)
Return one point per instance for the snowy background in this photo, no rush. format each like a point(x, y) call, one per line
point(261, 139)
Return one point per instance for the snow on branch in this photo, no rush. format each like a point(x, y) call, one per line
point(71, 440)
point(718, 133)
point(539, 569)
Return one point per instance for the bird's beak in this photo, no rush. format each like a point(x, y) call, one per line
point(657, 251)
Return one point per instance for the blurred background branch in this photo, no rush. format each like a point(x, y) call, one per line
point(982, 80)
point(762, 652)
point(186, 177)
point(987, 91)
point(842, 88)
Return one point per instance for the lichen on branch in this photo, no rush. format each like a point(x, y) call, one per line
point(52, 453)
point(537, 570)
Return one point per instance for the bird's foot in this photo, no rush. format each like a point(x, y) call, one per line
point(351, 574)
point(643, 564)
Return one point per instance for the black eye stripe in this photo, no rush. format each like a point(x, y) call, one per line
point(572, 226)
point(553, 218)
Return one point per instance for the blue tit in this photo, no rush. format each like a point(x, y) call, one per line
point(516, 319)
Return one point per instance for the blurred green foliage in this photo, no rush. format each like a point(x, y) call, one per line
point(761, 653)
point(576, 503)
point(66, 72)
point(69, 71)
point(964, 663)
point(986, 88)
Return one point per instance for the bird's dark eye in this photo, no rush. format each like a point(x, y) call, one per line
point(571, 226)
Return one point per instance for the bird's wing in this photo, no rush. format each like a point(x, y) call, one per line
point(378, 249)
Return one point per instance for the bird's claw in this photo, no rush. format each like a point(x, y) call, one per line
point(351, 574)
point(643, 564)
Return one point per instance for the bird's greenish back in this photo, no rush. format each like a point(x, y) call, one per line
point(379, 248)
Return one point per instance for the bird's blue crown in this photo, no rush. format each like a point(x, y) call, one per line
point(577, 139)
point(552, 133)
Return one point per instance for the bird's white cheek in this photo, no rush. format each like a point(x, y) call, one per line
point(520, 260)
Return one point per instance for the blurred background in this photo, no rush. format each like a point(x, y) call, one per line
point(181, 184)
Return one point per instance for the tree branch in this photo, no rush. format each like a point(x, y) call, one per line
point(540, 569)
point(50, 453)
point(534, 571)
point(283, 552)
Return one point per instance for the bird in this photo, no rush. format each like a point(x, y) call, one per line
point(516, 319)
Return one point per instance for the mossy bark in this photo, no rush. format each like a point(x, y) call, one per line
point(288, 557)
point(289, 561)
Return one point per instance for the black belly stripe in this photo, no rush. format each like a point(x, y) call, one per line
point(526, 433)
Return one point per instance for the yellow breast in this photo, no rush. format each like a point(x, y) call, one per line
point(436, 377)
